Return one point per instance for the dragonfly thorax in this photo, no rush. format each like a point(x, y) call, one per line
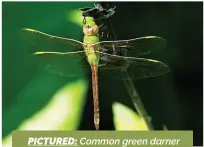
point(91, 53)
point(91, 36)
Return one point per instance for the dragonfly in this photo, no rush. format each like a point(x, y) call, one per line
point(54, 52)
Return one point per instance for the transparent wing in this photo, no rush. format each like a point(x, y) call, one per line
point(48, 43)
point(138, 68)
point(69, 64)
point(134, 47)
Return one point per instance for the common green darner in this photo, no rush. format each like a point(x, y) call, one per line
point(54, 51)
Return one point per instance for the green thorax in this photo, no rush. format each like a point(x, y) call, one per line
point(91, 36)
point(91, 39)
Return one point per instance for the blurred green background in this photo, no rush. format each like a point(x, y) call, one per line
point(174, 99)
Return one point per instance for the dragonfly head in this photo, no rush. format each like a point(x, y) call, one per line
point(90, 29)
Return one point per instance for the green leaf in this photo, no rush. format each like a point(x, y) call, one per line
point(127, 119)
point(75, 16)
point(62, 112)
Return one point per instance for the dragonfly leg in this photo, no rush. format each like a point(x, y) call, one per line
point(102, 26)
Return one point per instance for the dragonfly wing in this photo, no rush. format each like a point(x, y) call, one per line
point(69, 64)
point(48, 43)
point(138, 68)
point(134, 47)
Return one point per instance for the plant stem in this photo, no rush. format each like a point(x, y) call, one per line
point(136, 99)
point(130, 85)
